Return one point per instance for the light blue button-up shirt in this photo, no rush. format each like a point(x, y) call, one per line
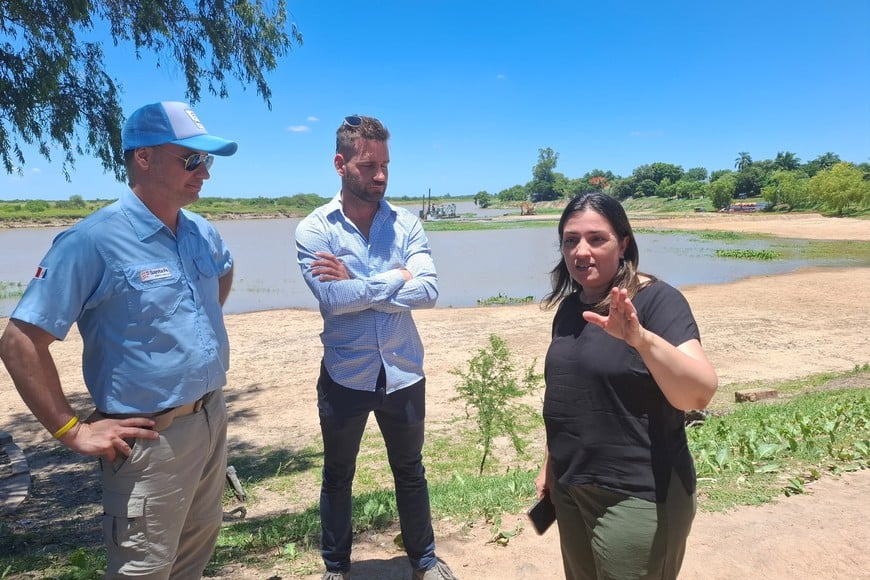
point(367, 320)
point(146, 303)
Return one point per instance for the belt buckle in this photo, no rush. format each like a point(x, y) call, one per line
point(199, 404)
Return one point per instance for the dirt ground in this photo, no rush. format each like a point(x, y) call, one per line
point(762, 328)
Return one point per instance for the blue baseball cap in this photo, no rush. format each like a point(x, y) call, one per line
point(171, 122)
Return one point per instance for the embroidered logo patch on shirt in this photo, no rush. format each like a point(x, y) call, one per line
point(40, 273)
point(155, 274)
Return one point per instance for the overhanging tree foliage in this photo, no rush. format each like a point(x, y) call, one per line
point(54, 86)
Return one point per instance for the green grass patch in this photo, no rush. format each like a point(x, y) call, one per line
point(745, 454)
point(721, 235)
point(40, 211)
point(836, 249)
point(758, 452)
point(851, 252)
point(11, 289)
point(859, 377)
point(297, 205)
point(556, 212)
point(79, 564)
point(748, 254)
point(660, 205)
point(503, 300)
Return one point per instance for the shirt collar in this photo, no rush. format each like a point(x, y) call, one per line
point(334, 205)
point(144, 223)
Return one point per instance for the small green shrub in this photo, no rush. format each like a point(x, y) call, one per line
point(36, 206)
point(490, 386)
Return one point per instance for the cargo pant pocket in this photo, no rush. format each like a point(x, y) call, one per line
point(134, 544)
point(124, 526)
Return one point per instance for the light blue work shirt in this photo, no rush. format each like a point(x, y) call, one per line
point(146, 303)
point(367, 320)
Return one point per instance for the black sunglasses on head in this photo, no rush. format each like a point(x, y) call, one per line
point(194, 160)
point(353, 121)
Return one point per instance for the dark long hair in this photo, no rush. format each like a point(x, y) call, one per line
point(627, 275)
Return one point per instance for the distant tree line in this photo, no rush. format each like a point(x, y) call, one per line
point(825, 184)
point(41, 211)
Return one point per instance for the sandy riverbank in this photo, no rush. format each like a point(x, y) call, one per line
point(764, 328)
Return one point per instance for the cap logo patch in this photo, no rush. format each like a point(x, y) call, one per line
point(194, 119)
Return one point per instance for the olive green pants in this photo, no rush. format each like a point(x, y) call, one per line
point(610, 536)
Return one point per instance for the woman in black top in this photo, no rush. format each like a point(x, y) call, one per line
point(624, 364)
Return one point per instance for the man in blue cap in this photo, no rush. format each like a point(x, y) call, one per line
point(145, 281)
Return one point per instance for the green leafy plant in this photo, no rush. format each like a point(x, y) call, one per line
point(491, 386)
point(748, 254)
point(795, 486)
point(376, 512)
point(502, 300)
point(86, 565)
point(500, 536)
point(757, 448)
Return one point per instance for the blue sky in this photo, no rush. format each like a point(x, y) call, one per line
point(472, 90)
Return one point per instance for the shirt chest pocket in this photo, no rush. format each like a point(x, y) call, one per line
point(207, 272)
point(206, 266)
point(154, 290)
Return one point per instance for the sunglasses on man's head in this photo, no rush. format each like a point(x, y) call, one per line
point(194, 160)
point(353, 121)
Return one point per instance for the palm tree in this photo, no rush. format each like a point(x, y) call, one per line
point(786, 160)
point(743, 161)
point(827, 160)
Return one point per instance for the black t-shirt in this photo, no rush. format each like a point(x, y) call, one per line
point(608, 423)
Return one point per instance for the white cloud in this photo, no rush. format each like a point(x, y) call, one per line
point(36, 170)
point(312, 119)
point(298, 128)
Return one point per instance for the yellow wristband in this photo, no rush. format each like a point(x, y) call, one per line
point(69, 425)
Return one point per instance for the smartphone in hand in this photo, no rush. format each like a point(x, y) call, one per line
point(542, 514)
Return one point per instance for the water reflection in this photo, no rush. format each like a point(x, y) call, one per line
point(472, 265)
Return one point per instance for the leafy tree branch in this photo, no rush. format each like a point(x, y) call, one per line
point(55, 90)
